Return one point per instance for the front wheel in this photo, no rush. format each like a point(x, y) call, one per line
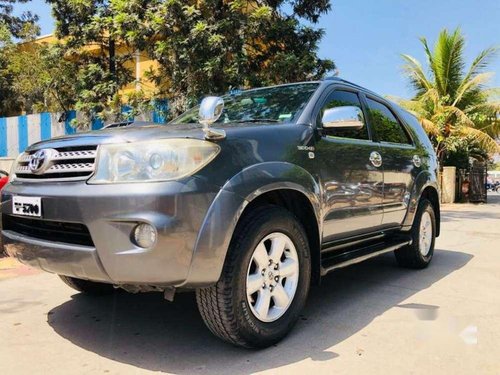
point(423, 233)
point(264, 282)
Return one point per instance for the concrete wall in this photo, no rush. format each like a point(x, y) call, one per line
point(448, 182)
point(6, 164)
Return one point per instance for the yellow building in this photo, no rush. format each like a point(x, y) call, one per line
point(138, 65)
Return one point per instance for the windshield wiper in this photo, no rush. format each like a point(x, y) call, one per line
point(255, 120)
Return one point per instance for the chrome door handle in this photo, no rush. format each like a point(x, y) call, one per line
point(417, 162)
point(376, 159)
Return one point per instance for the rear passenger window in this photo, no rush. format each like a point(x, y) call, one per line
point(386, 125)
point(340, 99)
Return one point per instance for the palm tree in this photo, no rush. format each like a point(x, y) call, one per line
point(452, 103)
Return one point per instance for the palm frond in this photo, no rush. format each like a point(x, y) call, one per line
point(430, 127)
point(491, 92)
point(432, 95)
point(487, 142)
point(448, 61)
point(428, 53)
point(473, 83)
point(493, 107)
point(405, 103)
point(415, 73)
point(481, 62)
point(463, 118)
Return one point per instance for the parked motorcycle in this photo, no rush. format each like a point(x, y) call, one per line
point(493, 187)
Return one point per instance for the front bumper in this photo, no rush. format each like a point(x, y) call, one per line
point(111, 212)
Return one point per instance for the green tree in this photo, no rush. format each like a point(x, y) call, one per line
point(88, 33)
point(7, 99)
point(46, 83)
point(453, 103)
point(202, 47)
point(16, 24)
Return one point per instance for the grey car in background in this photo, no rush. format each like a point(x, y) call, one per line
point(248, 200)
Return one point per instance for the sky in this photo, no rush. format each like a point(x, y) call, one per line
point(366, 38)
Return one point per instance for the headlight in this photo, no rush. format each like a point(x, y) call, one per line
point(160, 160)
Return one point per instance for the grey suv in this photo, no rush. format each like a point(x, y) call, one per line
point(248, 200)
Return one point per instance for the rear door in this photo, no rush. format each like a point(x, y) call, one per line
point(400, 159)
point(352, 186)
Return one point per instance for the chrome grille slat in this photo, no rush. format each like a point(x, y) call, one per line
point(64, 165)
point(61, 168)
point(68, 155)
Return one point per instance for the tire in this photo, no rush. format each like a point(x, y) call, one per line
point(419, 254)
point(225, 307)
point(88, 287)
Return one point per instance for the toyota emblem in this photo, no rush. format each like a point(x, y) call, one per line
point(40, 161)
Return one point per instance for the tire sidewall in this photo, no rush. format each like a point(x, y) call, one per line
point(424, 206)
point(254, 330)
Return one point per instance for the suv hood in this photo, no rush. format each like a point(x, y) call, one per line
point(130, 133)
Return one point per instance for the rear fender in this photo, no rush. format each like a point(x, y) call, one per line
point(422, 182)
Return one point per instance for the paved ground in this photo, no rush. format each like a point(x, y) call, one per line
point(371, 318)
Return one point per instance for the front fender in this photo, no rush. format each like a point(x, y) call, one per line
point(228, 206)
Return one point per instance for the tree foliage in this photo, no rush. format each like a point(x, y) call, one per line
point(16, 25)
point(34, 77)
point(202, 47)
point(453, 103)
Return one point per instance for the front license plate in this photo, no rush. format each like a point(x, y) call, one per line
point(27, 206)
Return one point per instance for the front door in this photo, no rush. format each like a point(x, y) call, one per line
point(352, 185)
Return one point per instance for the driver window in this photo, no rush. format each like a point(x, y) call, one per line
point(340, 99)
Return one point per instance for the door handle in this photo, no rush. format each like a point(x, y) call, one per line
point(417, 162)
point(376, 159)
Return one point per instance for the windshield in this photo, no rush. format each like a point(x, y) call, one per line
point(280, 104)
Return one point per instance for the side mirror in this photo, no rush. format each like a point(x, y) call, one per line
point(347, 117)
point(211, 109)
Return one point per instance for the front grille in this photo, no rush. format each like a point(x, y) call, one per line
point(55, 231)
point(68, 163)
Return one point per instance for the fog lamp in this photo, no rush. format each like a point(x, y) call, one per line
point(145, 235)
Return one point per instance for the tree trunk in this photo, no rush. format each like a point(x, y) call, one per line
point(112, 60)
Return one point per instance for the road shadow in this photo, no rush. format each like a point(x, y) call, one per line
point(147, 332)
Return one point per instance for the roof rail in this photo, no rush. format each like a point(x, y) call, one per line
point(351, 84)
point(332, 78)
point(118, 124)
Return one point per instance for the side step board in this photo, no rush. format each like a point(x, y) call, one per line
point(332, 261)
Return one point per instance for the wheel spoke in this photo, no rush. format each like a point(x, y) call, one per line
point(277, 248)
point(280, 296)
point(260, 256)
point(288, 267)
point(254, 283)
point(263, 303)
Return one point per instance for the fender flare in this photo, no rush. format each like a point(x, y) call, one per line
point(225, 211)
point(423, 180)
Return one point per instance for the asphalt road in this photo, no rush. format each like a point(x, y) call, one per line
point(371, 318)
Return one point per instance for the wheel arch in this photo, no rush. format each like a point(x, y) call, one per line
point(297, 203)
point(279, 183)
point(431, 194)
point(425, 187)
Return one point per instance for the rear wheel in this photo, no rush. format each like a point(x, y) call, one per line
point(264, 282)
point(87, 287)
point(423, 233)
